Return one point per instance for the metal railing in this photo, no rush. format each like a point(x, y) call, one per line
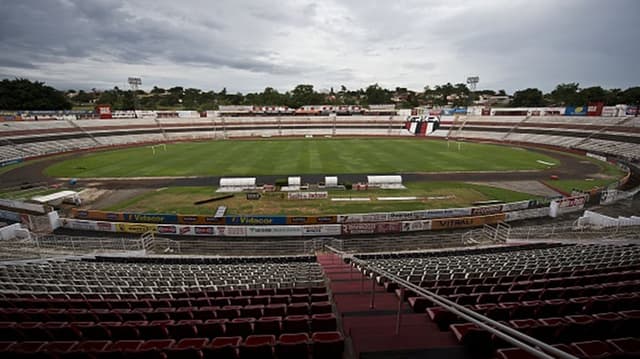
point(400, 242)
point(567, 232)
point(508, 334)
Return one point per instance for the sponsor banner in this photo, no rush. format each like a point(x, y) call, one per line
point(167, 229)
point(598, 157)
point(375, 217)
point(97, 215)
point(575, 111)
point(608, 196)
point(231, 231)
point(204, 231)
point(527, 214)
point(516, 206)
point(486, 210)
point(358, 228)
point(136, 227)
point(184, 219)
point(609, 111)
point(235, 108)
point(444, 213)
point(307, 195)
point(465, 222)
point(413, 226)
point(8, 215)
point(10, 118)
point(31, 207)
point(274, 231)
point(255, 220)
point(632, 110)
point(185, 230)
point(447, 112)
point(566, 205)
point(388, 227)
point(349, 218)
point(312, 220)
point(104, 112)
point(460, 110)
point(105, 227)
point(405, 216)
point(150, 218)
point(382, 107)
point(79, 224)
point(322, 230)
point(595, 108)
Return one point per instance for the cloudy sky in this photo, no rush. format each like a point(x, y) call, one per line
point(248, 45)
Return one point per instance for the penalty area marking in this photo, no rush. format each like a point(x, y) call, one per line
point(546, 163)
point(355, 199)
point(397, 198)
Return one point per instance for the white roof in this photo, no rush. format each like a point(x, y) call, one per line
point(384, 179)
point(54, 196)
point(238, 181)
point(294, 181)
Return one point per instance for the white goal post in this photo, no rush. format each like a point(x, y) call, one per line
point(161, 145)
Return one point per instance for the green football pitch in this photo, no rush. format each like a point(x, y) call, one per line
point(299, 157)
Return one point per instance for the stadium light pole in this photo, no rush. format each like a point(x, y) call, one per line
point(472, 81)
point(134, 84)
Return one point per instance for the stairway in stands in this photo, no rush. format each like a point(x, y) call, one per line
point(372, 331)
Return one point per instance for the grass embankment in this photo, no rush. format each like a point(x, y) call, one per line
point(452, 194)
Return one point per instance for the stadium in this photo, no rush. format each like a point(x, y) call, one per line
point(320, 232)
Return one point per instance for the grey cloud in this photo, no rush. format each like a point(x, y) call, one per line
point(247, 45)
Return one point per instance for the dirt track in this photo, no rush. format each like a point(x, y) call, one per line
point(571, 168)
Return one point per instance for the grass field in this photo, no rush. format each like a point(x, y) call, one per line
point(306, 156)
point(180, 200)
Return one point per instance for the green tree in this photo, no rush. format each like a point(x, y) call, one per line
point(304, 95)
point(375, 94)
point(566, 95)
point(22, 94)
point(530, 97)
point(631, 96)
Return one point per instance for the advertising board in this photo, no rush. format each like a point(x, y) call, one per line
point(307, 195)
point(322, 230)
point(466, 222)
point(358, 228)
point(137, 228)
point(255, 220)
point(273, 231)
point(575, 111)
point(566, 205)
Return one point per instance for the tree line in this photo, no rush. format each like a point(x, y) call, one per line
point(22, 94)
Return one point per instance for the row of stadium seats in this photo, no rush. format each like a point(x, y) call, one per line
point(162, 313)
point(580, 335)
point(328, 344)
point(110, 303)
point(166, 329)
point(562, 295)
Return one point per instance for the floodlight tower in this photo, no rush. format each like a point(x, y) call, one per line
point(134, 84)
point(472, 82)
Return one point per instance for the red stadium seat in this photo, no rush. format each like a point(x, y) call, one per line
point(292, 346)
point(327, 344)
point(258, 346)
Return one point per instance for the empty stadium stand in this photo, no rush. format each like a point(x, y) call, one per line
point(163, 307)
point(580, 299)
